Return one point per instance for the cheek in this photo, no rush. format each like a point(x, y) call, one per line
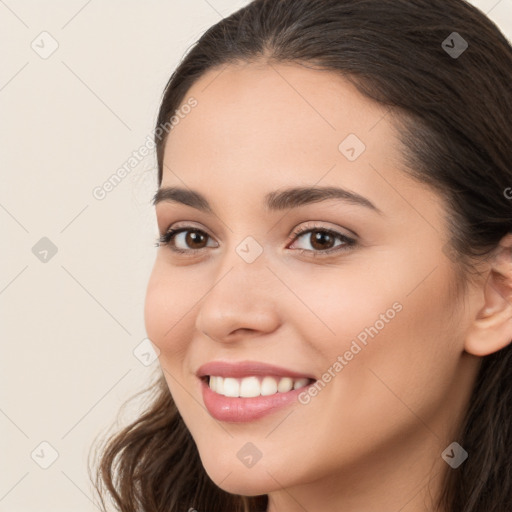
point(340, 306)
point(165, 311)
point(398, 340)
point(169, 327)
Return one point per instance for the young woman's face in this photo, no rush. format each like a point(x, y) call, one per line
point(364, 301)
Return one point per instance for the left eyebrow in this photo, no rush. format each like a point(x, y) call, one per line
point(273, 201)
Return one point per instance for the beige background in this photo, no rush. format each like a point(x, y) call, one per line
point(72, 326)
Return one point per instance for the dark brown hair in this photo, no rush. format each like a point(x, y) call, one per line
point(455, 115)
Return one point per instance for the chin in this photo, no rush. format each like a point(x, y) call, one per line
point(244, 487)
point(242, 482)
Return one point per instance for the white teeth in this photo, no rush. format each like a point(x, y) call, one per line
point(254, 386)
point(216, 383)
point(268, 386)
point(250, 386)
point(285, 385)
point(231, 387)
point(300, 383)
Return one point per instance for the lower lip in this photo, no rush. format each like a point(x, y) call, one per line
point(237, 409)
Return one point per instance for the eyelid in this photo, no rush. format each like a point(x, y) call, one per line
point(185, 226)
point(321, 226)
point(348, 240)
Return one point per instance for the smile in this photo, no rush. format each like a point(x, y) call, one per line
point(254, 386)
point(248, 390)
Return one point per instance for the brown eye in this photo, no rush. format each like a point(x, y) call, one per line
point(190, 239)
point(194, 239)
point(322, 241)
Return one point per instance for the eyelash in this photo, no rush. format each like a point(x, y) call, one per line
point(348, 243)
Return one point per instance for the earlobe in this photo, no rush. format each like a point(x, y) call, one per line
point(492, 327)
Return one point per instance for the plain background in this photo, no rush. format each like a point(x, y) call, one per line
point(72, 325)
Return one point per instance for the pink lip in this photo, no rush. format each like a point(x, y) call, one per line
point(247, 369)
point(237, 409)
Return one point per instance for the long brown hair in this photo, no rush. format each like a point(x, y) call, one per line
point(455, 113)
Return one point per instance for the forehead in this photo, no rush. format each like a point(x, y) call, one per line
point(258, 100)
point(283, 119)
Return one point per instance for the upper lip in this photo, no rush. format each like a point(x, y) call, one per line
point(247, 369)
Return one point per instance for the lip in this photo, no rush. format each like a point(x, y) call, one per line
point(238, 409)
point(247, 369)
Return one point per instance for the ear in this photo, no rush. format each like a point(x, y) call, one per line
point(492, 328)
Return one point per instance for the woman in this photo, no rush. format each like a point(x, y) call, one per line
point(332, 293)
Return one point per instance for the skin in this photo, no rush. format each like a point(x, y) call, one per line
point(372, 438)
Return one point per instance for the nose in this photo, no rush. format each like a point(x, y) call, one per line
point(241, 303)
